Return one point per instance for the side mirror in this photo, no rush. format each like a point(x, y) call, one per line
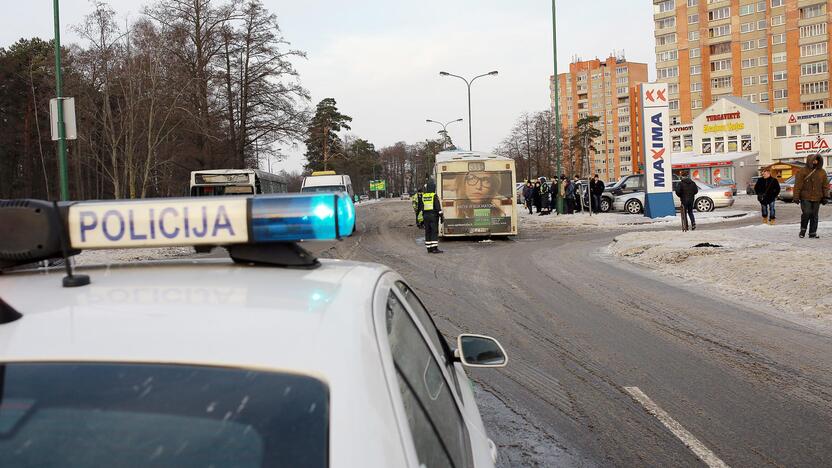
point(480, 351)
point(623, 186)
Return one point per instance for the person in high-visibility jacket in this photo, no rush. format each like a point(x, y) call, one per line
point(415, 200)
point(431, 206)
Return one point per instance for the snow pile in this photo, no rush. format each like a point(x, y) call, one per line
point(623, 220)
point(104, 257)
point(768, 264)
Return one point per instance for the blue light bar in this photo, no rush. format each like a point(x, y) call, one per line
point(168, 222)
point(322, 216)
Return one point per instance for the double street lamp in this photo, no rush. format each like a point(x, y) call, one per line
point(444, 130)
point(468, 84)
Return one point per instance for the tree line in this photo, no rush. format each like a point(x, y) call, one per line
point(533, 144)
point(189, 84)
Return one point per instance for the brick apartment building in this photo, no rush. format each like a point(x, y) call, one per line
point(774, 53)
point(602, 88)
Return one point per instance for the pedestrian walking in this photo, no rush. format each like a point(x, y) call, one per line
point(536, 196)
point(527, 195)
point(811, 189)
point(686, 191)
point(767, 188)
point(431, 206)
point(415, 201)
point(596, 189)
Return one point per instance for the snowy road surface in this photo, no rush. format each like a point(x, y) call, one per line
point(580, 328)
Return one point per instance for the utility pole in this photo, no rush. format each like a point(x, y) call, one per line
point(59, 91)
point(559, 202)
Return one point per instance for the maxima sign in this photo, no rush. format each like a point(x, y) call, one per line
point(655, 120)
point(800, 147)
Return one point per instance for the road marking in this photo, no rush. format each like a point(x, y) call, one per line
point(697, 447)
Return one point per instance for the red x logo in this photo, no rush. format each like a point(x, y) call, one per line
point(650, 95)
point(660, 95)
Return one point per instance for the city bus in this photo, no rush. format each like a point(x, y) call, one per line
point(235, 182)
point(478, 194)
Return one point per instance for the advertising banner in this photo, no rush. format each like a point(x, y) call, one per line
point(802, 146)
point(655, 119)
point(378, 185)
point(477, 202)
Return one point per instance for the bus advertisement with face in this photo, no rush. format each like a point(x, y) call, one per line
point(478, 195)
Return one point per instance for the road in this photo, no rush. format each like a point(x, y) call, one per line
point(579, 328)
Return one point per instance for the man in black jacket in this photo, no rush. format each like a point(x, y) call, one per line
point(767, 188)
point(686, 191)
point(596, 188)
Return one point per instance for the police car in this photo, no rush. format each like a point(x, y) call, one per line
point(270, 357)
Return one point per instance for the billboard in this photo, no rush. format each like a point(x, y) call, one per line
point(378, 185)
point(477, 202)
point(802, 146)
point(655, 125)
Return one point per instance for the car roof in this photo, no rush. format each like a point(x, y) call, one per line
point(208, 311)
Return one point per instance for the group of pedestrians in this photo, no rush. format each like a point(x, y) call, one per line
point(542, 196)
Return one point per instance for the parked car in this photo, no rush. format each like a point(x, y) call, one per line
point(405, 196)
point(727, 183)
point(787, 190)
point(625, 185)
point(749, 189)
point(708, 199)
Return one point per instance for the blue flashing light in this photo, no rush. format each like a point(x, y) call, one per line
point(320, 216)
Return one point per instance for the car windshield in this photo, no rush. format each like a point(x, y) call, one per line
point(324, 188)
point(790, 180)
point(134, 415)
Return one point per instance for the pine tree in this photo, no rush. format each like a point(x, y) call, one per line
point(322, 141)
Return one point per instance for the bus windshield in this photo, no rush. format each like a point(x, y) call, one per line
point(324, 188)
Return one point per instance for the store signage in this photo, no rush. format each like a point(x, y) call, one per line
point(799, 147)
point(793, 118)
point(724, 127)
point(728, 116)
point(655, 124)
point(682, 128)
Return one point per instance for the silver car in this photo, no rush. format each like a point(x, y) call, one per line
point(708, 199)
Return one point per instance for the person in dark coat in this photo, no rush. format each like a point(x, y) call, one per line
point(567, 192)
point(545, 206)
point(767, 188)
point(553, 195)
point(811, 189)
point(528, 190)
point(596, 188)
point(538, 201)
point(686, 191)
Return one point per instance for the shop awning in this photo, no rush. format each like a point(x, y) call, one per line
point(692, 160)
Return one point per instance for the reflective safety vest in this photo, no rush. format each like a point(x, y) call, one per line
point(415, 201)
point(427, 200)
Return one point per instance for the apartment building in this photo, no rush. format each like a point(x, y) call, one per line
point(774, 53)
point(602, 88)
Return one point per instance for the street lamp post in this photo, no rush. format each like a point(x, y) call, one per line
point(444, 130)
point(468, 84)
point(59, 91)
point(558, 148)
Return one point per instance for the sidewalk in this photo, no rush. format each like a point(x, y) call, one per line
point(763, 264)
point(625, 221)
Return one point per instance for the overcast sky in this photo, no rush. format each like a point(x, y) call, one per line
point(380, 59)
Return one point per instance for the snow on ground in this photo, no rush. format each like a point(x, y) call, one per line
point(625, 221)
point(759, 264)
point(104, 257)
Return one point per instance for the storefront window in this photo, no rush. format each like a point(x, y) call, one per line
point(814, 128)
point(688, 143)
point(732, 143)
point(781, 131)
point(719, 145)
point(745, 141)
point(706, 146)
point(703, 174)
point(677, 144)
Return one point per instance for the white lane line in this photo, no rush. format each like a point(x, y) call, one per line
point(697, 447)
